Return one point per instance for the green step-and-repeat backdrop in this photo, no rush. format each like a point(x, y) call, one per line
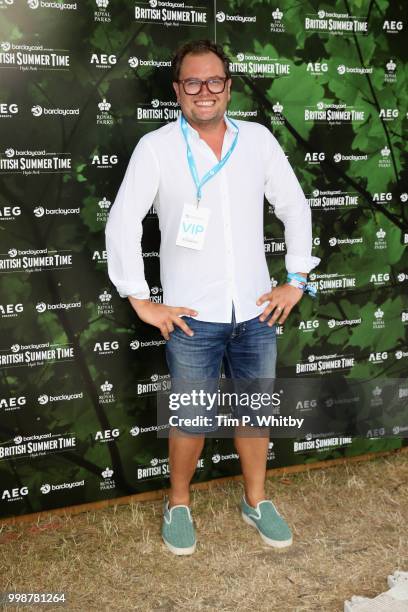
point(81, 82)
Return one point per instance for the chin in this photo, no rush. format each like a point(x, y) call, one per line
point(205, 118)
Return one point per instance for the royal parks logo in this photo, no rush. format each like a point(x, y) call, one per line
point(380, 241)
point(33, 355)
point(384, 160)
point(102, 209)
point(332, 199)
point(28, 162)
point(333, 114)
point(258, 66)
point(34, 260)
point(106, 396)
point(157, 111)
point(378, 319)
point(104, 115)
point(277, 117)
point(336, 23)
point(43, 4)
point(33, 57)
point(277, 24)
point(101, 12)
point(104, 304)
point(390, 72)
point(107, 483)
point(171, 14)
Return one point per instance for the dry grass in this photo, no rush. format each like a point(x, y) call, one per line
point(350, 526)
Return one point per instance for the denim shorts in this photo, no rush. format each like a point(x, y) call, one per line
point(247, 350)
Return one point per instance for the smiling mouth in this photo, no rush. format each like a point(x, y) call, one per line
point(204, 103)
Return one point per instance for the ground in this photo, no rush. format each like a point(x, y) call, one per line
point(350, 527)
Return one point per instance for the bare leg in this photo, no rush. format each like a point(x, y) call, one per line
point(253, 452)
point(184, 452)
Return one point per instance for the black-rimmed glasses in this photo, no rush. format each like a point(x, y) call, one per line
point(215, 85)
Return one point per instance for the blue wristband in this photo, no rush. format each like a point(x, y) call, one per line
point(301, 283)
point(298, 277)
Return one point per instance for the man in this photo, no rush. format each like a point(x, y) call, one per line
point(207, 177)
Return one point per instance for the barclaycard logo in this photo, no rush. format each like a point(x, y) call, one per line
point(39, 111)
point(221, 17)
point(62, 6)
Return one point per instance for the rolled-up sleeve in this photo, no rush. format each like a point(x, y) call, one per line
point(123, 230)
point(284, 193)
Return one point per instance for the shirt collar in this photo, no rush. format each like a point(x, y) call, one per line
point(231, 129)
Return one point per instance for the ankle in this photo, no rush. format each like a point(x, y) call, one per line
point(253, 499)
point(183, 500)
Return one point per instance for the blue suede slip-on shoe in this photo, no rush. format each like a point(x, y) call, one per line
point(178, 531)
point(272, 527)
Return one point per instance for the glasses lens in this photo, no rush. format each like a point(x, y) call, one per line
point(216, 85)
point(192, 87)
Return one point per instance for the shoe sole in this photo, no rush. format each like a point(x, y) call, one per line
point(188, 550)
point(269, 541)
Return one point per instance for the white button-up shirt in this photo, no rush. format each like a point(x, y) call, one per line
point(232, 266)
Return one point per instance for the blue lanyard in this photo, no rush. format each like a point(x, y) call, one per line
point(193, 168)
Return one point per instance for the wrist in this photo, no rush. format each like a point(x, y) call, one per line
point(137, 303)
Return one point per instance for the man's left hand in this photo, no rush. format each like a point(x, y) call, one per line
point(281, 301)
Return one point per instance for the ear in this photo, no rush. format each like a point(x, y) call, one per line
point(229, 83)
point(176, 88)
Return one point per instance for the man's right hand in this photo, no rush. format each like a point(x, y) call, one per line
point(162, 316)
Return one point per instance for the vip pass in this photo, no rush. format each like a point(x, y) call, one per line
point(193, 168)
point(296, 280)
